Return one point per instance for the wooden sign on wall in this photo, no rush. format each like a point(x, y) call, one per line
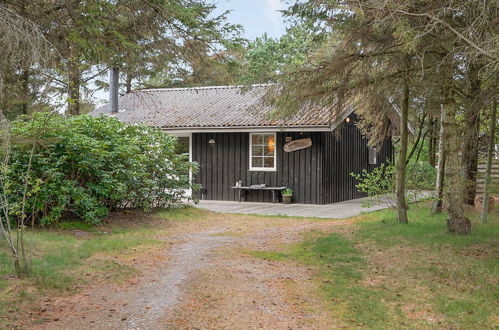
point(298, 145)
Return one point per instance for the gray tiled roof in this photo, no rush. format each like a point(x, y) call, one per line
point(207, 107)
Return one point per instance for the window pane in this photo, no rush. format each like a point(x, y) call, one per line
point(269, 162)
point(182, 145)
point(183, 148)
point(269, 151)
point(257, 139)
point(257, 161)
point(257, 151)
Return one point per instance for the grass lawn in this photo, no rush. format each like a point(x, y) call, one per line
point(382, 274)
point(371, 272)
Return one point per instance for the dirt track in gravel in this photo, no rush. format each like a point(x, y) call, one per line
point(202, 279)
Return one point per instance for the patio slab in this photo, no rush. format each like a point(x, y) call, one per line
point(340, 210)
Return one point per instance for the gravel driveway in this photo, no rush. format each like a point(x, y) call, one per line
point(204, 279)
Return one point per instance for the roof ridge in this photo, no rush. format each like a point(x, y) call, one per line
point(176, 89)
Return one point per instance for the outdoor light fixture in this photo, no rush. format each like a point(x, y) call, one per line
point(211, 141)
point(347, 120)
point(271, 143)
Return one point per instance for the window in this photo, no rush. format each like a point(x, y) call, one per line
point(182, 145)
point(183, 148)
point(262, 152)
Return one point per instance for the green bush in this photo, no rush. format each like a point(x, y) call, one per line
point(378, 184)
point(88, 165)
point(420, 176)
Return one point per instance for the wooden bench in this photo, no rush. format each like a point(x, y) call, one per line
point(275, 191)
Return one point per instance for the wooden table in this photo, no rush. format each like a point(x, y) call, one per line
point(275, 191)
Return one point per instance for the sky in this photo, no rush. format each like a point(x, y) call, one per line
point(256, 16)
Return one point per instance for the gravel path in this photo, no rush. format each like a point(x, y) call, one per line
point(204, 280)
point(159, 295)
point(140, 306)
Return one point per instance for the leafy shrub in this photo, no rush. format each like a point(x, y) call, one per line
point(420, 176)
point(89, 165)
point(378, 184)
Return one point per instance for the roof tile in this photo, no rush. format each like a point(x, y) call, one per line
point(197, 107)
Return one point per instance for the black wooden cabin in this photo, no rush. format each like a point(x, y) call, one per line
point(319, 174)
point(228, 133)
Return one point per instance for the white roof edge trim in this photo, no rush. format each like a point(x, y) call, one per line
point(397, 110)
point(247, 129)
point(341, 118)
point(201, 88)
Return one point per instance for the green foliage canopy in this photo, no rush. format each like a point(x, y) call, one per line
point(267, 57)
point(89, 165)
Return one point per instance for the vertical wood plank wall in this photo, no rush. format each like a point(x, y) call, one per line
point(346, 152)
point(227, 161)
point(318, 175)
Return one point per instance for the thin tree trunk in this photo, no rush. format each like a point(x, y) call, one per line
point(113, 89)
point(128, 82)
point(25, 88)
point(431, 143)
point(401, 164)
point(490, 154)
point(438, 204)
point(421, 146)
point(74, 83)
point(418, 138)
point(457, 222)
point(472, 122)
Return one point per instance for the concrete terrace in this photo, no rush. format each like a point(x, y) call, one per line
point(340, 210)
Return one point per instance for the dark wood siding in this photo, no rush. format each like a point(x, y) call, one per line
point(345, 152)
point(227, 161)
point(318, 175)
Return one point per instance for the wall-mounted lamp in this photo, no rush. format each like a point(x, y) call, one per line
point(211, 141)
point(347, 120)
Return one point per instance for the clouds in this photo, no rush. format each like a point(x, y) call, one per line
point(273, 14)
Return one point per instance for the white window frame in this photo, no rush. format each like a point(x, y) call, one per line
point(264, 169)
point(189, 135)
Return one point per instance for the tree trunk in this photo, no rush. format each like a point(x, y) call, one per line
point(113, 89)
point(490, 154)
point(418, 138)
point(128, 82)
point(401, 164)
point(470, 158)
point(457, 222)
point(432, 142)
point(437, 205)
point(74, 84)
point(421, 146)
point(25, 91)
point(472, 122)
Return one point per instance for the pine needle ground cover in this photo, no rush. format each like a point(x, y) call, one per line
point(378, 273)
